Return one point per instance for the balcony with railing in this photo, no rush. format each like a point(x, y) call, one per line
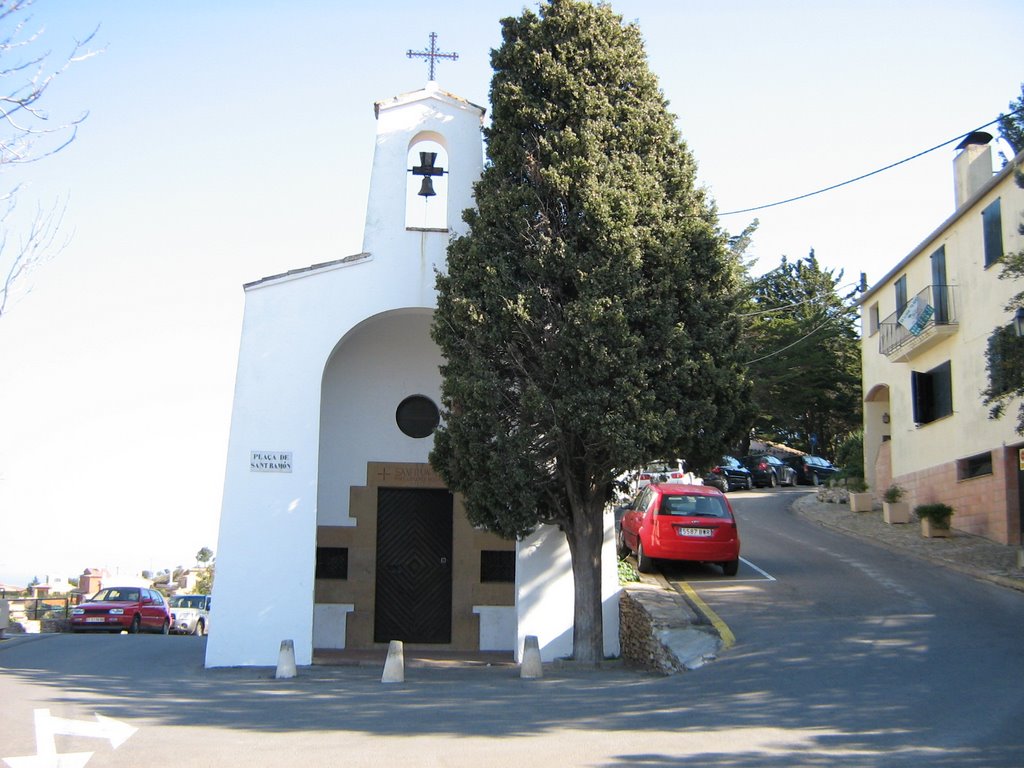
point(929, 317)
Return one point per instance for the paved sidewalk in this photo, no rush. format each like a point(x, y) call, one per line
point(972, 555)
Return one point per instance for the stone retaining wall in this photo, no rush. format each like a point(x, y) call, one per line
point(638, 637)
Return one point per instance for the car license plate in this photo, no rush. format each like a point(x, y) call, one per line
point(700, 533)
point(96, 619)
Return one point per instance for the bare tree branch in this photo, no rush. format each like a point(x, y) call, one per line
point(39, 244)
point(29, 134)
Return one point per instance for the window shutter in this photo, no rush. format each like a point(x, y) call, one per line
point(939, 289)
point(916, 387)
point(942, 391)
point(992, 226)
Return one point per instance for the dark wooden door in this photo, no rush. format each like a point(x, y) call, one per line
point(414, 566)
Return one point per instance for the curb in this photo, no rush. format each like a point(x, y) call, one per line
point(799, 506)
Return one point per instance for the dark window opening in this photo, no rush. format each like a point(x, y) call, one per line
point(498, 565)
point(1005, 356)
point(992, 229)
point(975, 466)
point(940, 292)
point(901, 295)
point(932, 392)
point(417, 416)
point(332, 562)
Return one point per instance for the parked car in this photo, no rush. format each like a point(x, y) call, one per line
point(680, 522)
point(666, 471)
point(769, 470)
point(734, 474)
point(717, 480)
point(671, 471)
point(122, 609)
point(190, 614)
point(812, 470)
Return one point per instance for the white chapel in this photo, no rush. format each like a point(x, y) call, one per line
point(335, 531)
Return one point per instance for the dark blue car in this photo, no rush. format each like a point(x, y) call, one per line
point(769, 471)
point(812, 470)
point(730, 475)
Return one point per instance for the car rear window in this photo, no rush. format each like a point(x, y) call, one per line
point(692, 506)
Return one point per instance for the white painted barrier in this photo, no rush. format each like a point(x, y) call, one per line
point(286, 660)
point(394, 665)
point(531, 668)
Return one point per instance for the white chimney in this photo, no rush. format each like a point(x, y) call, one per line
point(972, 168)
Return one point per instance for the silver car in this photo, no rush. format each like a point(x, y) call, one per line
point(190, 614)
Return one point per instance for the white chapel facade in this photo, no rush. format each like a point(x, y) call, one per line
point(328, 484)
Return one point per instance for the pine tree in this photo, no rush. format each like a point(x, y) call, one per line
point(1011, 125)
point(587, 317)
point(804, 354)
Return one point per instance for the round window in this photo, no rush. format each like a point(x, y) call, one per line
point(417, 416)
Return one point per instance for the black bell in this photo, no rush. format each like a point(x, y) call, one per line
point(426, 188)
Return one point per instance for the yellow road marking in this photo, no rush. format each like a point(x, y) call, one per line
point(728, 638)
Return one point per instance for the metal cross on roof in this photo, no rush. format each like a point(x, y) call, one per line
point(432, 54)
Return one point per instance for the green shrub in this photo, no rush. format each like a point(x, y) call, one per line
point(893, 494)
point(938, 513)
point(626, 572)
point(850, 457)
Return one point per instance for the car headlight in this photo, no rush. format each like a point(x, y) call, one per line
point(78, 611)
point(116, 611)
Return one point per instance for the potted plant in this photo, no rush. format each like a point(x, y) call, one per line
point(860, 499)
point(894, 509)
point(934, 519)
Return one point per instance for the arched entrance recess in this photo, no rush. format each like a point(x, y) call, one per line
point(877, 436)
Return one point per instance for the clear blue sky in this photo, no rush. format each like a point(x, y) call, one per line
point(232, 140)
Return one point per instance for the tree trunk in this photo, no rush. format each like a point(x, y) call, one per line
point(586, 538)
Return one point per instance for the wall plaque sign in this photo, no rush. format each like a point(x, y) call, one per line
point(270, 461)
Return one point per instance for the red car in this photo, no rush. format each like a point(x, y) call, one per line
point(680, 522)
point(116, 609)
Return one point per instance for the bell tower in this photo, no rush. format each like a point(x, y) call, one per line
point(428, 154)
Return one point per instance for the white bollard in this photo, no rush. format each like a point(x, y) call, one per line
point(394, 665)
point(286, 660)
point(531, 667)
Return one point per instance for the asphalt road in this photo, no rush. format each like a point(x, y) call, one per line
point(845, 656)
point(901, 661)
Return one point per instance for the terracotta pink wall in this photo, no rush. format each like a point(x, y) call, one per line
point(985, 506)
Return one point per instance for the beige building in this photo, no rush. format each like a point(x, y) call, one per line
point(926, 330)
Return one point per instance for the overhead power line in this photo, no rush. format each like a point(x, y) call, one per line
point(795, 304)
point(806, 336)
point(872, 173)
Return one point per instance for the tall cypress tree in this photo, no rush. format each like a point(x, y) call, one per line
point(586, 318)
